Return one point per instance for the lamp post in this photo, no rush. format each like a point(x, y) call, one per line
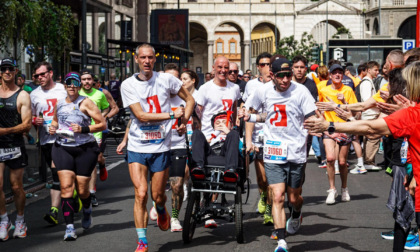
point(327, 58)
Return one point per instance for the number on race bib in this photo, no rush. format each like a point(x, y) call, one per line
point(154, 105)
point(280, 119)
point(227, 104)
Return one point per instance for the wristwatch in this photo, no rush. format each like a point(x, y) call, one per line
point(331, 128)
point(171, 114)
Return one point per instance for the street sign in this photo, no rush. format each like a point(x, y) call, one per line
point(408, 44)
point(338, 54)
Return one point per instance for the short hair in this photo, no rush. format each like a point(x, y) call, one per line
point(411, 74)
point(145, 45)
point(43, 63)
point(207, 73)
point(261, 56)
point(362, 67)
point(412, 59)
point(194, 76)
point(412, 51)
point(323, 72)
point(171, 66)
point(372, 64)
point(332, 62)
point(298, 58)
point(396, 57)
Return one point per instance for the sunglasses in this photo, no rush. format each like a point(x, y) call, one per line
point(246, 77)
point(40, 74)
point(5, 68)
point(73, 82)
point(281, 75)
point(233, 71)
point(264, 64)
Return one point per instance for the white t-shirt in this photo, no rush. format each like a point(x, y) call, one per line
point(214, 98)
point(44, 101)
point(284, 135)
point(258, 133)
point(367, 90)
point(154, 97)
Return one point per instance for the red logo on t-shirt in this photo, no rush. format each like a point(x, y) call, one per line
point(51, 104)
point(227, 104)
point(154, 105)
point(280, 119)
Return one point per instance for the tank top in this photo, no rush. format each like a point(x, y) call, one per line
point(68, 113)
point(10, 117)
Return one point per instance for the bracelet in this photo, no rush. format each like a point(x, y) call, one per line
point(338, 105)
point(252, 118)
point(34, 120)
point(85, 129)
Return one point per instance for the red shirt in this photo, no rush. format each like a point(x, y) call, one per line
point(405, 123)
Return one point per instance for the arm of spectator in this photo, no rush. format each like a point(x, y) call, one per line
point(403, 101)
point(388, 108)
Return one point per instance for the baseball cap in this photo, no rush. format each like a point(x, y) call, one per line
point(352, 70)
point(72, 78)
point(8, 62)
point(281, 64)
point(314, 67)
point(240, 73)
point(335, 67)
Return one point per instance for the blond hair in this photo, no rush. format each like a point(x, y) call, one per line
point(411, 74)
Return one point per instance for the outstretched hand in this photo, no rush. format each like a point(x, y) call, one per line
point(326, 106)
point(316, 124)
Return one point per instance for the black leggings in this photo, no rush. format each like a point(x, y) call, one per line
point(79, 159)
point(400, 237)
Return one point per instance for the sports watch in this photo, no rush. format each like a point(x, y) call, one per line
point(171, 114)
point(331, 128)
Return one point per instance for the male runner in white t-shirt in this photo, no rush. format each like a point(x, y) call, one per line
point(43, 101)
point(285, 106)
point(147, 95)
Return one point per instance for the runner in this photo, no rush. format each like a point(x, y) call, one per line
point(43, 101)
point(147, 95)
point(286, 106)
point(100, 100)
point(75, 151)
point(15, 119)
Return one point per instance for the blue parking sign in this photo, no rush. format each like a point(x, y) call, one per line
point(408, 44)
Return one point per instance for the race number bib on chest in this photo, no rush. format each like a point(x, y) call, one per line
point(9, 153)
point(275, 150)
point(152, 133)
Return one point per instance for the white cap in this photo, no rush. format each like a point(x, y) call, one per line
point(241, 73)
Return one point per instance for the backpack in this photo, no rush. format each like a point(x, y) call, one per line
point(377, 82)
point(357, 91)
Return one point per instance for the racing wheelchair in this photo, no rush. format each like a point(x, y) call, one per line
point(205, 184)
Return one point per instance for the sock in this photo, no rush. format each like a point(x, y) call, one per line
point(92, 191)
point(160, 210)
point(268, 210)
point(67, 206)
point(295, 214)
point(54, 209)
point(20, 218)
point(281, 233)
point(360, 161)
point(86, 202)
point(141, 233)
point(4, 218)
point(175, 213)
point(101, 166)
point(336, 164)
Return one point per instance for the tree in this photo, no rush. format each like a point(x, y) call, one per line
point(289, 47)
point(342, 30)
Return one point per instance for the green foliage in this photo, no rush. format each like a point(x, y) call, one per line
point(289, 47)
point(342, 30)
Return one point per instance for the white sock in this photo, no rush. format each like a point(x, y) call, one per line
point(92, 191)
point(4, 218)
point(20, 218)
point(336, 164)
point(360, 161)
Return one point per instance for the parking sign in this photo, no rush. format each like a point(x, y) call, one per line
point(408, 44)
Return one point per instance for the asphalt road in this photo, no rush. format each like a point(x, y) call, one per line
point(351, 226)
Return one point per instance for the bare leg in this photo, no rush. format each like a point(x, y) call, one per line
point(177, 184)
point(16, 180)
point(279, 216)
point(342, 161)
point(2, 197)
point(138, 174)
point(330, 146)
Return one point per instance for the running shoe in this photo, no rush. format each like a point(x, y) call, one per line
point(373, 168)
point(52, 216)
point(388, 235)
point(210, 224)
point(175, 225)
point(345, 196)
point(142, 247)
point(358, 169)
point(163, 220)
point(413, 244)
point(262, 204)
point(281, 246)
point(153, 214)
point(87, 218)
point(323, 165)
point(70, 234)
point(268, 219)
point(412, 234)
point(332, 194)
point(292, 224)
point(103, 174)
point(94, 200)
point(274, 235)
point(20, 229)
point(4, 230)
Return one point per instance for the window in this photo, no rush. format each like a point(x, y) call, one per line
point(398, 2)
point(232, 47)
point(192, 1)
point(219, 48)
point(228, 1)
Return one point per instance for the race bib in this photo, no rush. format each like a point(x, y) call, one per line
point(65, 136)
point(275, 150)
point(9, 153)
point(152, 133)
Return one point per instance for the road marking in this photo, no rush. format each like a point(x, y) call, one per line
point(113, 165)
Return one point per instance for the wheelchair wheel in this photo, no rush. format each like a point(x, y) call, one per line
point(238, 216)
point(190, 220)
point(245, 193)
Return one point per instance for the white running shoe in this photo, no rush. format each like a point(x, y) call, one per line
point(70, 234)
point(4, 230)
point(332, 194)
point(281, 246)
point(293, 225)
point(20, 229)
point(175, 225)
point(373, 168)
point(153, 213)
point(185, 192)
point(358, 169)
point(345, 196)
